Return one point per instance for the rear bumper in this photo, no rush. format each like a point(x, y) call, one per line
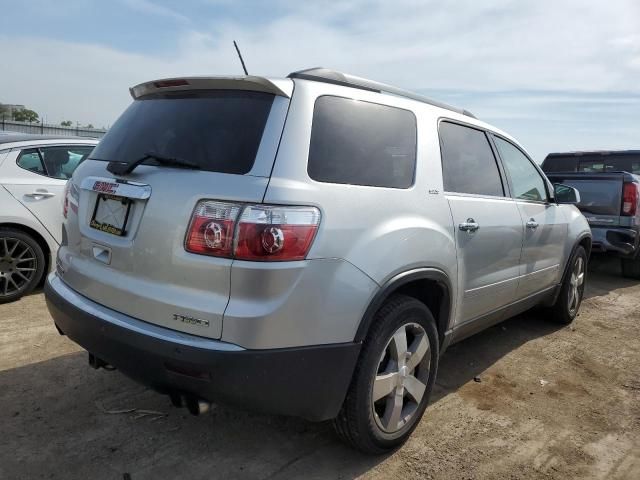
point(623, 241)
point(309, 382)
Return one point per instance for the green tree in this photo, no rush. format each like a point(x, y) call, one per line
point(66, 123)
point(25, 115)
point(89, 126)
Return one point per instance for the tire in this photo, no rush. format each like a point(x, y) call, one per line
point(22, 264)
point(630, 267)
point(568, 302)
point(374, 426)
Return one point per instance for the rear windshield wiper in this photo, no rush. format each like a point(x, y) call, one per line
point(122, 168)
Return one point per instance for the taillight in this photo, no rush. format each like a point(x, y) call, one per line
point(276, 232)
point(211, 228)
point(65, 202)
point(260, 232)
point(629, 199)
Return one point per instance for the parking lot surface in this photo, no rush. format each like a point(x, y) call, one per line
point(524, 399)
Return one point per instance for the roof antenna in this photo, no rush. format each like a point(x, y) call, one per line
point(241, 60)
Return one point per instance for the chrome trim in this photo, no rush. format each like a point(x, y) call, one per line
point(138, 326)
point(139, 191)
point(469, 226)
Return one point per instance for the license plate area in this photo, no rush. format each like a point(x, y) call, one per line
point(111, 214)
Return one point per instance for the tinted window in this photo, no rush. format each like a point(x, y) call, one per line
point(468, 163)
point(30, 160)
point(607, 163)
point(527, 182)
point(560, 164)
point(60, 162)
point(218, 130)
point(593, 163)
point(362, 143)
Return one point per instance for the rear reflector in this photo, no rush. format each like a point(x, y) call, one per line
point(259, 233)
point(629, 199)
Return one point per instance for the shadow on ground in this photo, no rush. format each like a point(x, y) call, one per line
point(61, 419)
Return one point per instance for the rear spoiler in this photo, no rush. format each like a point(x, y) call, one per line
point(281, 87)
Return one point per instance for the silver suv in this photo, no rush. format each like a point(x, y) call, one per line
point(306, 246)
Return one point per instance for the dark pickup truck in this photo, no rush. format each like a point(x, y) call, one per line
point(609, 186)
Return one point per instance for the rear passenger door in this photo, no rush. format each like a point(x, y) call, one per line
point(545, 229)
point(38, 177)
point(488, 227)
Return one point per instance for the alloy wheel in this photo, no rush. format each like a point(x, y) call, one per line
point(18, 265)
point(576, 283)
point(401, 379)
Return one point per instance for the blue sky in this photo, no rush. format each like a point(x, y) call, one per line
point(558, 75)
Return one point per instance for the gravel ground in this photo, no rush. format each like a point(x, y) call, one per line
point(552, 402)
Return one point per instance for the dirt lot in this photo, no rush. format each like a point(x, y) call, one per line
point(61, 419)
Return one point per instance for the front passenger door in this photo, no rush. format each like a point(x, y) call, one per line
point(545, 229)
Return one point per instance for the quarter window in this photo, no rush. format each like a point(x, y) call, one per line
point(468, 163)
point(30, 160)
point(362, 143)
point(527, 182)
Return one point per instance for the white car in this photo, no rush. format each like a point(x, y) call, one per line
point(34, 170)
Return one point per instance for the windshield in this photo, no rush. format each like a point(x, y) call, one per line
point(218, 130)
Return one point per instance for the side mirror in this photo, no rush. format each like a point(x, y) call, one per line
point(565, 194)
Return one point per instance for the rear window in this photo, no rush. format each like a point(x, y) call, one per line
point(218, 130)
point(606, 163)
point(593, 163)
point(560, 164)
point(362, 143)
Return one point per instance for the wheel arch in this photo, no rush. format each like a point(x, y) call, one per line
point(583, 241)
point(429, 285)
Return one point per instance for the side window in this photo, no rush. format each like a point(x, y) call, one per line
point(468, 163)
point(30, 160)
point(60, 162)
point(362, 143)
point(527, 182)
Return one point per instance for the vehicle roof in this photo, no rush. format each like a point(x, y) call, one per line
point(594, 152)
point(12, 137)
point(277, 86)
point(284, 87)
point(326, 75)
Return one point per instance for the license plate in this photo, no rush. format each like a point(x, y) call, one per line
point(110, 214)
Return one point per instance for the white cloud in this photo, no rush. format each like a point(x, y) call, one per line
point(149, 7)
point(496, 45)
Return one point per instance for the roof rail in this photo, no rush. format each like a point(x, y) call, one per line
point(326, 75)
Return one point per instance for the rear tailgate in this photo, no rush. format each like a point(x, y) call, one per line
point(125, 234)
point(600, 194)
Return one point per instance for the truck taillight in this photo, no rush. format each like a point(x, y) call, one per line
point(252, 232)
point(629, 199)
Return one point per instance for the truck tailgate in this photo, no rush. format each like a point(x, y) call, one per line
point(600, 194)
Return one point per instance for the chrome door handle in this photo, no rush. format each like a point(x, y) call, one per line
point(37, 194)
point(532, 224)
point(469, 226)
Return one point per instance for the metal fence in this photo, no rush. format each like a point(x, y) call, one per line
point(47, 129)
